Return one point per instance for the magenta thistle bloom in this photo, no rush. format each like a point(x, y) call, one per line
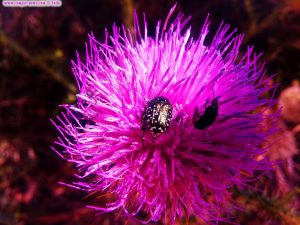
point(166, 125)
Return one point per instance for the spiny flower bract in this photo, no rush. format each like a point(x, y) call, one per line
point(183, 171)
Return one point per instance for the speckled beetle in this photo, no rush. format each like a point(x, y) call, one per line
point(157, 115)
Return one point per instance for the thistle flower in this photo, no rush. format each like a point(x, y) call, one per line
point(282, 148)
point(289, 100)
point(166, 125)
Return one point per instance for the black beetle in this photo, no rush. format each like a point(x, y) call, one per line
point(208, 117)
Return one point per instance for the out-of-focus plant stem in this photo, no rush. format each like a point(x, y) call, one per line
point(127, 11)
point(267, 22)
point(252, 15)
point(9, 43)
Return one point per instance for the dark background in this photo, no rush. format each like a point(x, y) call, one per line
point(36, 49)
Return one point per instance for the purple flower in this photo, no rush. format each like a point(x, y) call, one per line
point(166, 125)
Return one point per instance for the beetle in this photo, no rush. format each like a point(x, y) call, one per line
point(157, 115)
point(208, 117)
